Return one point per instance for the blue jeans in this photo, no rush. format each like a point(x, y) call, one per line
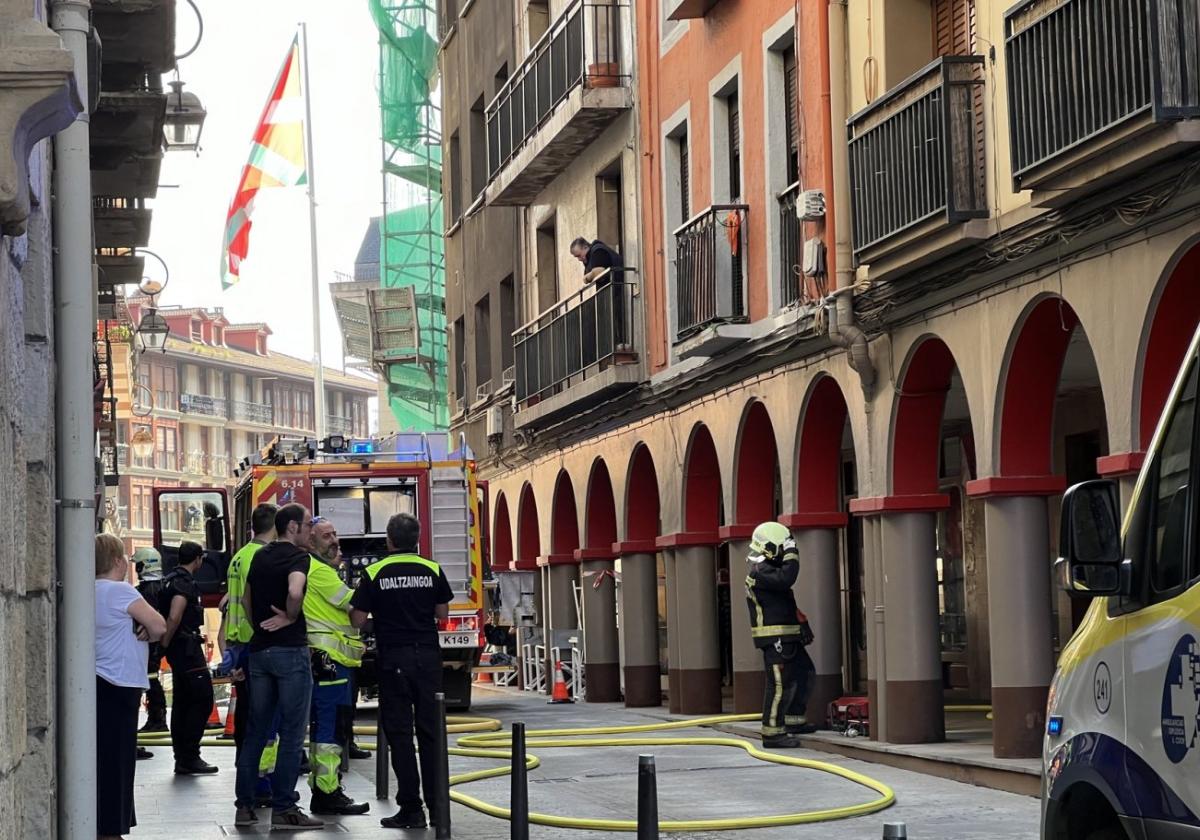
point(281, 682)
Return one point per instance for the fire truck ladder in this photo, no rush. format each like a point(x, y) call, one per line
point(450, 526)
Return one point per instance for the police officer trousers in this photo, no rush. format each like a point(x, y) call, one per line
point(409, 677)
point(789, 672)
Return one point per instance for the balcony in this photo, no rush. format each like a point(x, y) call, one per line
point(579, 351)
point(121, 222)
point(335, 425)
point(202, 405)
point(247, 412)
point(574, 83)
point(917, 170)
point(710, 272)
point(1099, 91)
point(685, 9)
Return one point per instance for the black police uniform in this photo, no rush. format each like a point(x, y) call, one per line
point(780, 632)
point(156, 698)
point(190, 679)
point(401, 592)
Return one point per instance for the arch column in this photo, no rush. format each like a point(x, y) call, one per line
point(748, 677)
point(638, 603)
point(909, 679)
point(601, 648)
point(1123, 468)
point(559, 574)
point(818, 595)
point(1022, 653)
point(695, 659)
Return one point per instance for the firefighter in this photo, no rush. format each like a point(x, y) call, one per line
point(781, 632)
point(336, 649)
point(148, 563)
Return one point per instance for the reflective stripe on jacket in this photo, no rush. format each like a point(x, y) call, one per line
point(772, 605)
point(327, 615)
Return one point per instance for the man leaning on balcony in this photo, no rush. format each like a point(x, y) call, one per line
point(603, 266)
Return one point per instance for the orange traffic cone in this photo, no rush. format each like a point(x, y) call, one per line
point(559, 694)
point(229, 712)
point(214, 717)
point(485, 661)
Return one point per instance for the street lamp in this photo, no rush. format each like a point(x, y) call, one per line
point(153, 331)
point(184, 120)
point(142, 443)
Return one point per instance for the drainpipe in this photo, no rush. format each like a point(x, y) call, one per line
point(75, 436)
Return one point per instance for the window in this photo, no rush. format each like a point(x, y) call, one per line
point(166, 457)
point(479, 152)
point(460, 361)
point(685, 187)
point(735, 146)
point(609, 221)
point(137, 514)
point(1172, 472)
point(305, 410)
point(547, 266)
point(454, 187)
point(165, 394)
point(791, 101)
point(449, 14)
point(537, 18)
point(197, 331)
point(953, 27)
point(508, 320)
point(143, 395)
point(483, 341)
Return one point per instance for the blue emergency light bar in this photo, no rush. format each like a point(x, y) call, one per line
point(362, 447)
point(1054, 726)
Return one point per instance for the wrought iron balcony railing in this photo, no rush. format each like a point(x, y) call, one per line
point(1079, 68)
point(336, 425)
point(581, 47)
point(790, 281)
point(576, 337)
point(917, 154)
point(710, 266)
point(204, 405)
point(248, 412)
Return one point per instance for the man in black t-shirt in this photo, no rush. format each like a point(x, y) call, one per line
point(407, 595)
point(598, 258)
point(280, 672)
point(191, 682)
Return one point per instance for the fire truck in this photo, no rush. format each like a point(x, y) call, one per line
point(357, 484)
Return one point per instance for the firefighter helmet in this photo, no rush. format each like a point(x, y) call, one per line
point(766, 543)
point(149, 559)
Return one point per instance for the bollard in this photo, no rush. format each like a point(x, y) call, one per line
point(383, 779)
point(895, 831)
point(647, 804)
point(519, 797)
point(441, 810)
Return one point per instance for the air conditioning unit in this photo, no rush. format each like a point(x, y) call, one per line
point(495, 421)
point(811, 206)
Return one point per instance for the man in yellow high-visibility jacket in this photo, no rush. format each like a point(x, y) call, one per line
point(336, 649)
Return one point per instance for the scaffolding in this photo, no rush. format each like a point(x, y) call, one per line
point(411, 248)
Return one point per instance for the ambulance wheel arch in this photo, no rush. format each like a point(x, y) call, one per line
point(1083, 813)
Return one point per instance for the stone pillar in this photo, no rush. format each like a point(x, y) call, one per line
point(674, 690)
point(874, 626)
point(748, 677)
point(912, 647)
point(639, 626)
point(818, 594)
point(696, 629)
point(560, 573)
point(601, 655)
point(1022, 654)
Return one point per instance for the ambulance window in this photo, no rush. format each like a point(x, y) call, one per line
point(1172, 473)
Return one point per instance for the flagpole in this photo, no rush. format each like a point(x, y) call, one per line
point(318, 367)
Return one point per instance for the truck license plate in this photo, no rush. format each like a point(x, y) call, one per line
point(457, 640)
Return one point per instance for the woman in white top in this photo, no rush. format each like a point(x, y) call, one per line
point(125, 623)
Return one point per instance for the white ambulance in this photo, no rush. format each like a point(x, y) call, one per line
point(1122, 756)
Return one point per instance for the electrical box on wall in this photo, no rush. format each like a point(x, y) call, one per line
point(811, 206)
point(813, 261)
point(495, 420)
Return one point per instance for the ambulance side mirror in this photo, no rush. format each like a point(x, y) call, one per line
point(1092, 561)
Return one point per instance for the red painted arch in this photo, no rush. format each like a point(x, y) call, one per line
point(642, 511)
point(529, 540)
point(917, 429)
point(701, 484)
point(757, 467)
point(564, 517)
point(819, 450)
point(1030, 388)
point(502, 544)
point(1172, 324)
point(600, 522)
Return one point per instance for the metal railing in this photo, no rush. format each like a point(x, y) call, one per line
point(248, 412)
point(917, 153)
point(336, 425)
point(1078, 68)
point(575, 336)
point(581, 47)
point(204, 405)
point(790, 281)
point(218, 465)
point(710, 268)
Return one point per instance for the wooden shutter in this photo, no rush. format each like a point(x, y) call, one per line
point(790, 108)
point(954, 27)
point(684, 178)
point(735, 149)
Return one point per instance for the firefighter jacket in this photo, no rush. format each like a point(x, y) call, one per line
point(773, 613)
point(327, 615)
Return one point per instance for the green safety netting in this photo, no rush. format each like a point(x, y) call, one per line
point(411, 252)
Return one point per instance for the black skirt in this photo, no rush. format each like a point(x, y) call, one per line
point(116, 756)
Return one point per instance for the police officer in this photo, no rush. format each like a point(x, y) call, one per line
point(407, 596)
point(148, 563)
point(781, 632)
point(191, 681)
point(336, 649)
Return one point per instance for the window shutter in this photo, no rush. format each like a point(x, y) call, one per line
point(790, 91)
point(954, 27)
point(735, 150)
point(685, 190)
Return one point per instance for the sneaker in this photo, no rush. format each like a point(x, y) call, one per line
point(245, 816)
point(336, 804)
point(781, 742)
point(358, 752)
point(143, 754)
point(801, 729)
point(293, 819)
point(405, 819)
point(199, 767)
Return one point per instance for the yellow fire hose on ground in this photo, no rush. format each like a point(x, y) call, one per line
point(484, 738)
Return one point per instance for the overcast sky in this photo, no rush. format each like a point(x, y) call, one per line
point(243, 47)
